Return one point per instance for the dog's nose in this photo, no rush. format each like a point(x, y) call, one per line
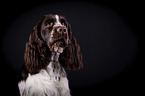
point(61, 29)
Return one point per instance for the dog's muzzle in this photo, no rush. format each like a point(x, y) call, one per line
point(61, 29)
point(59, 39)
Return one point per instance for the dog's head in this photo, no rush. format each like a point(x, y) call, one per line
point(54, 31)
point(52, 34)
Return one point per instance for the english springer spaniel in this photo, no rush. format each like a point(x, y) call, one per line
point(51, 48)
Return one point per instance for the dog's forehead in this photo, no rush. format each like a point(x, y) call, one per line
point(57, 19)
point(54, 16)
point(49, 16)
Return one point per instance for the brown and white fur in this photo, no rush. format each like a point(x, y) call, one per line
point(51, 48)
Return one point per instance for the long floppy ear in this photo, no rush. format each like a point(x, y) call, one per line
point(37, 53)
point(71, 58)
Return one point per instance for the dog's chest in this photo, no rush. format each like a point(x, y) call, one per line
point(49, 82)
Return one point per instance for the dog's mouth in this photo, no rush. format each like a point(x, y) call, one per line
point(58, 45)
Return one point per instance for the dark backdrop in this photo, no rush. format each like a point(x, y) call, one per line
point(110, 35)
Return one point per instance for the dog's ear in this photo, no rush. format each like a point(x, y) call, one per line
point(37, 53)
point(71, 58)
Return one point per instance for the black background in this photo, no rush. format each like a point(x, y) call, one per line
point(124, 79)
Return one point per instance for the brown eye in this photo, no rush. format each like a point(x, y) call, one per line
point(64, 24)
point(49, 24)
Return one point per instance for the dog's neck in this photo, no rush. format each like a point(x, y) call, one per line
point(55, 56)
point(54, 69)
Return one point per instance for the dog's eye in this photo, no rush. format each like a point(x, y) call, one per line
point(64, 24)
point(49, 24)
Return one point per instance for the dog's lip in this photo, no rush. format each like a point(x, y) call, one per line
point(60, 43)
point(56, 48)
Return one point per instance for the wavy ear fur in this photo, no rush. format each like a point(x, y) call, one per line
point(71, 58)
point(37, 54)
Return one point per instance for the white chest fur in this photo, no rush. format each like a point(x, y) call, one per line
point(49, 82)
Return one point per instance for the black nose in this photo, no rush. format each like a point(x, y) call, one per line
point(61, 29)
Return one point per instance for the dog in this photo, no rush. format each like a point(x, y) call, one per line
point(51, 49)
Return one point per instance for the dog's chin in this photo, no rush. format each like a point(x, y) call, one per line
point(57, 47)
